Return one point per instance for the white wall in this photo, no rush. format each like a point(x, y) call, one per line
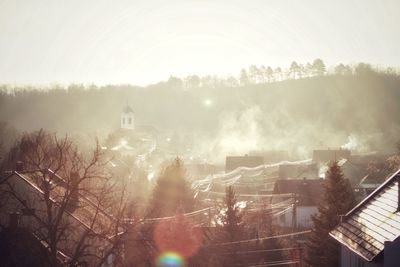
point(125, 117)
point(303, 216)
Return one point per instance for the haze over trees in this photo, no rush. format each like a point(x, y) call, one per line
point(172, 193)
point(320, 106)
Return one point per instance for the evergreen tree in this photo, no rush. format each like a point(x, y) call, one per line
point(171, 191)
point(179, 235)
point(232, 220)
point(254, 74)
point(338, 200)
point(278, 74)
point(294, 70)
point(232, 229)
point(269, 74)
point(340, 69)
point(318, 67)
point(267, 229)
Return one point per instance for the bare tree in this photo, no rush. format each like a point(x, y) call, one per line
point(70, 198)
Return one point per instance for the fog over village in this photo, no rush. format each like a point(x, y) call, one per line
point(199, 133)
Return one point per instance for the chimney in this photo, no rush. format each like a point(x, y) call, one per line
point(13, 220)
point(19, 166)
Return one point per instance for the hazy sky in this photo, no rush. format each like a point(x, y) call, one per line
point(132, 41)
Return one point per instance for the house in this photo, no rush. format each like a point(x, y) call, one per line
point(245, 180)
point(21, 248)
point(326, 155)
point(271, 156)
point(233, 162)
point(287, 170)
point(22, 192)
point(369, 234)
point(306, 193)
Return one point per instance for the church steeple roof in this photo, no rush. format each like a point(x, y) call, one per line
point(127, 109)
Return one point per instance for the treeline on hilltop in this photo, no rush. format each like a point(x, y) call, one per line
point(252, 75)
point(267, 74)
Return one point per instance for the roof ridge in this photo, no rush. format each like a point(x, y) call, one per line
point(36, 187)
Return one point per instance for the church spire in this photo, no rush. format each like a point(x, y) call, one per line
point(127, 118)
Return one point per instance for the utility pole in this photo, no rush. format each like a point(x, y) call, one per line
point(209, 217)
point(296, 255)
point(294, 213)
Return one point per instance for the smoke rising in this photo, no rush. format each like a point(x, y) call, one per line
point(353, 112)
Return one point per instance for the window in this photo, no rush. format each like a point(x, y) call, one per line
point(123, 120)
point(129, 120)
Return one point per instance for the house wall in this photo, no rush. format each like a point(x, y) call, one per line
point(349, 259)
point(127, 121)
point(25, 192)
point(303, 217)
point(392, 253)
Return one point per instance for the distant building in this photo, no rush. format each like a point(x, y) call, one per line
point(327, 155)
point(308, 194)
point(200, 169)
point(295, 171)
point(271, 156)
point(368, 184)
point(233, 162)
point(369, 234)
point(127, 118)
point(131, 139)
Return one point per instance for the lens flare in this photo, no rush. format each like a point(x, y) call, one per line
point(179, 235)
point(170, 259)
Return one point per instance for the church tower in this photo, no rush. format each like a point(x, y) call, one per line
point(127, 118)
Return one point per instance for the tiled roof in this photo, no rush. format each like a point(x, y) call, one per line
point(84, 213)
point(127, 109)
point(233, 162)
point(372, 222)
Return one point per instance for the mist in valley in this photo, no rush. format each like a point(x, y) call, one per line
point(353, 111)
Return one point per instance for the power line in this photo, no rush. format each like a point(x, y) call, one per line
point(189, 214)
point(173, 217)
point(260, 239)
point(275, 263)
point(238, 173)
point(259, 251)
point(255, 195)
